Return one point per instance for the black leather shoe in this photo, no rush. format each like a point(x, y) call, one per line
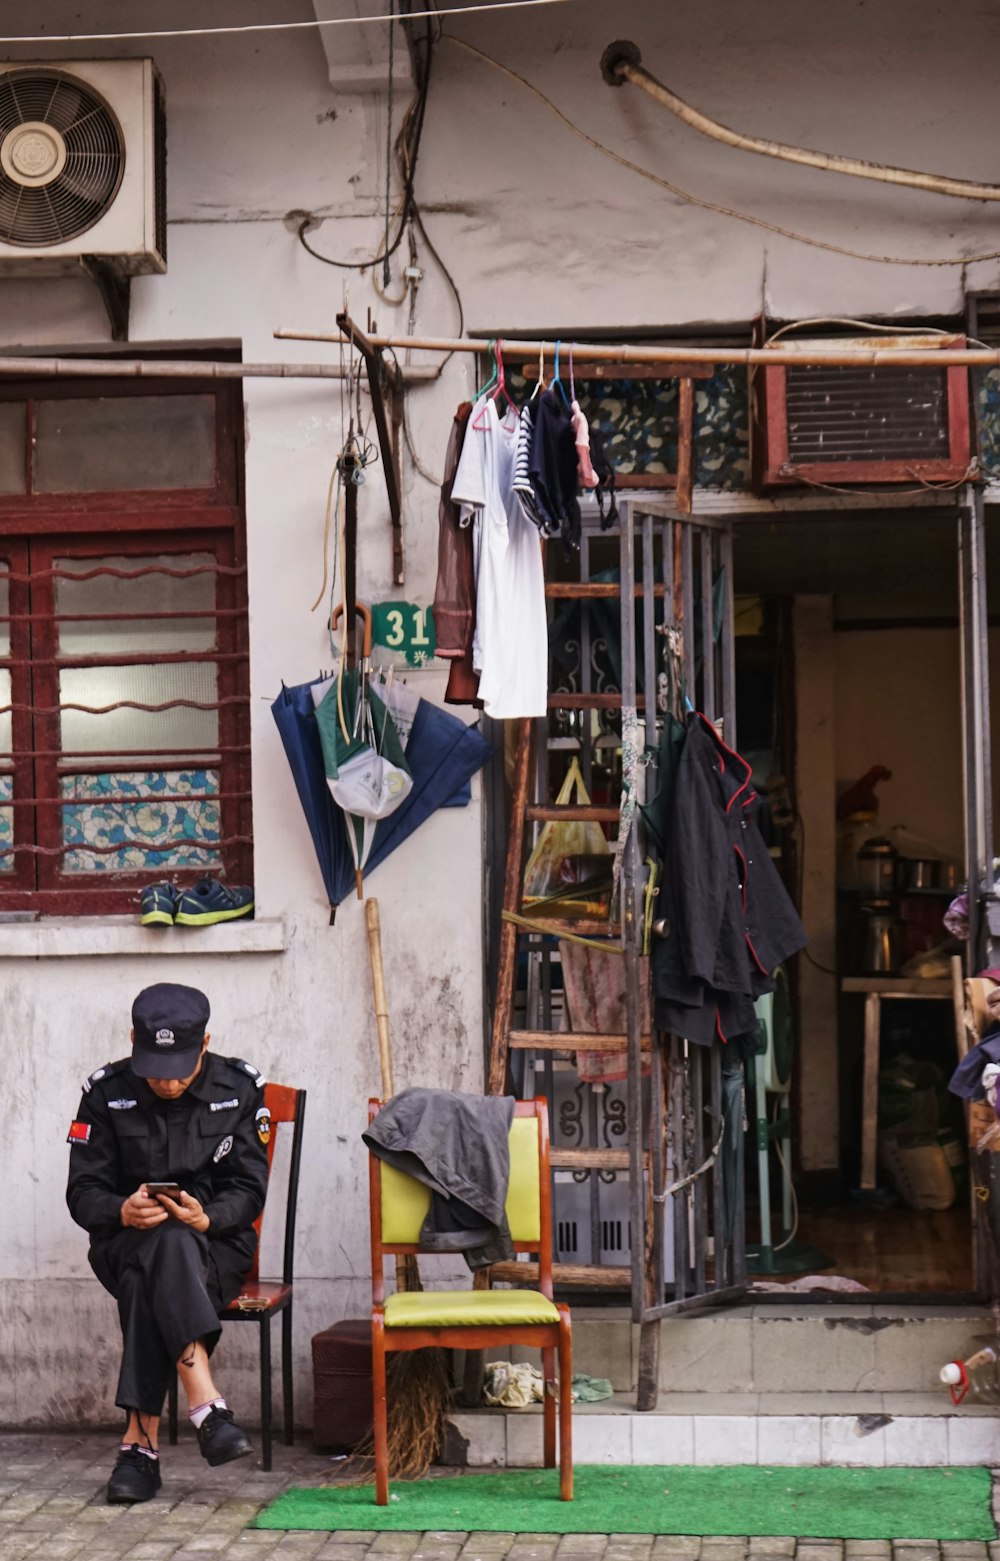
point(221, 1439)
point(134, 1477)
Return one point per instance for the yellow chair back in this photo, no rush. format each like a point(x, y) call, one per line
point(405, 1201)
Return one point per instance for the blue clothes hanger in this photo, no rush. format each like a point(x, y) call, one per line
point(556, 383)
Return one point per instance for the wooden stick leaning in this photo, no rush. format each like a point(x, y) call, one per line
point(407, 1273)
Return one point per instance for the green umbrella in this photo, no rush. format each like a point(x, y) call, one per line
point(366, 770)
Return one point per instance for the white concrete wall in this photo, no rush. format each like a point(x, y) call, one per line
point(538, 230)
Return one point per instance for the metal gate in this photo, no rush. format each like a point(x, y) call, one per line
point(643, 623)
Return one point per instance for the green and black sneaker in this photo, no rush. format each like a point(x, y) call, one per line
point(208, 902)
point(158, 905)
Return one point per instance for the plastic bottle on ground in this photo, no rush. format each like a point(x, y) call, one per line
point(976, 1379)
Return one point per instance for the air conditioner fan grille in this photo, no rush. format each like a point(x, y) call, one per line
point(80, 192)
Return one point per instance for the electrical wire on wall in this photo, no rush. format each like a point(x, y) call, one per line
point(697, 200)
point(404, 219)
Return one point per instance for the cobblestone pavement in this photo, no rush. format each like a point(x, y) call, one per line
point(52, 1508)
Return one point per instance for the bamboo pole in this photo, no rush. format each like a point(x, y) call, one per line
point(374, 921)
point(179, 368)
point(803, 357)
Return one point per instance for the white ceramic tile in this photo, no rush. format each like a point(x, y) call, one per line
point(916, 1441)
point(788, 1439)
point(840, 1443)
point(720, 1439)
point(602, 1438)
point(973, 1440)
point(524, 1440)
point(665, 1439)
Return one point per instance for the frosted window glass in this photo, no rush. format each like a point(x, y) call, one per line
point(149, 594)
point(124, 442)
point(13, 431)
point(195, 732)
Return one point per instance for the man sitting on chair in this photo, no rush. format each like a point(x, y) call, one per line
point(173, 1114)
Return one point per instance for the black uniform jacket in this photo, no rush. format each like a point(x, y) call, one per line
point(730, 920)
point(212, 1142)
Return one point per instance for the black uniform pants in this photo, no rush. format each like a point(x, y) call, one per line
point(167, 1289)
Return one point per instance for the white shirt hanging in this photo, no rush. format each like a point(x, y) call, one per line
point(510, 650)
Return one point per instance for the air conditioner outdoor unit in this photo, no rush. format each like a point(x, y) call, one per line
point(83, 162)
point(836, 426)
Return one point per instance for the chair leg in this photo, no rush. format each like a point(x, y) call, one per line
point(549, 1407)
point(380, 1413)
point(287, 1383)
point(265, 1391)
point(172, 1410)
point(565, 1407)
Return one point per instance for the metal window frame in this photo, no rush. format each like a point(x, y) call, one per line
point(34, 531)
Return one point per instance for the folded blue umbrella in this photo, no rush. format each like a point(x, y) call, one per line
point(443, 754)
point(295, 716)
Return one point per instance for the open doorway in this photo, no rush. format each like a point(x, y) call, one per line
point(849, 701)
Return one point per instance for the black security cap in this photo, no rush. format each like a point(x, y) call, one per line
point(169, 1023)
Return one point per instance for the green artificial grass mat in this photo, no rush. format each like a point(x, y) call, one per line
point(654, 1499)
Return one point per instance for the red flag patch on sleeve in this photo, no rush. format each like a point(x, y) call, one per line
point(79, 1133)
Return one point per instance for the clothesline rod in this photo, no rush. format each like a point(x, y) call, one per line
point(802, 357)
point(176, 368)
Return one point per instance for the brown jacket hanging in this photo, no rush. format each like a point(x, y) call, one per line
point(455, 591)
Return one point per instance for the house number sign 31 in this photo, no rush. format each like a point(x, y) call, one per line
point(406, 629)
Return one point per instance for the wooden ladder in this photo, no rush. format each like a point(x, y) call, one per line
point(635, 1160)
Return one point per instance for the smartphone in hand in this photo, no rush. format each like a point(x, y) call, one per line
point(164, 1189)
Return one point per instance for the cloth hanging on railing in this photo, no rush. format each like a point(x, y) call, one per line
point(729, 921)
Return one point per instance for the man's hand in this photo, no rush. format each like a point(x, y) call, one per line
point(189, 1211)
point(142, 1212)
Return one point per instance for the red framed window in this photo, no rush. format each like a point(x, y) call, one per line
point(124, 679)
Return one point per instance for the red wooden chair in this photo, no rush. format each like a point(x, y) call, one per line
point(261, 1299)
point(474, 1319)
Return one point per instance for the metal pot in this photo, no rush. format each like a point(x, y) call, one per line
point(880, 941)
point(877, 868)
point(919, 872)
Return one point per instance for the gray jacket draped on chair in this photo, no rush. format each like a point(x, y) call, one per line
point(457, 1145)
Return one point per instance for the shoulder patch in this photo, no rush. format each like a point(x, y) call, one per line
point(79, 1133)
point(248, 1070)
point(98, 1074)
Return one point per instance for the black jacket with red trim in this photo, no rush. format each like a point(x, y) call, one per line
point(730, 920)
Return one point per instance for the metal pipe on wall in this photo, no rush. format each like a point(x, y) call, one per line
point(621, 62)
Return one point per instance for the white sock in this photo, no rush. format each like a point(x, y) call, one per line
point(148, 1452)
point(202, 1412)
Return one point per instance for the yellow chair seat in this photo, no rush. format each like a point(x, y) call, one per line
point(468, 1309)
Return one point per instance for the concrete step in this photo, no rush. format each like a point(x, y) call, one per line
point(786, 1348)
point(871, 1429)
